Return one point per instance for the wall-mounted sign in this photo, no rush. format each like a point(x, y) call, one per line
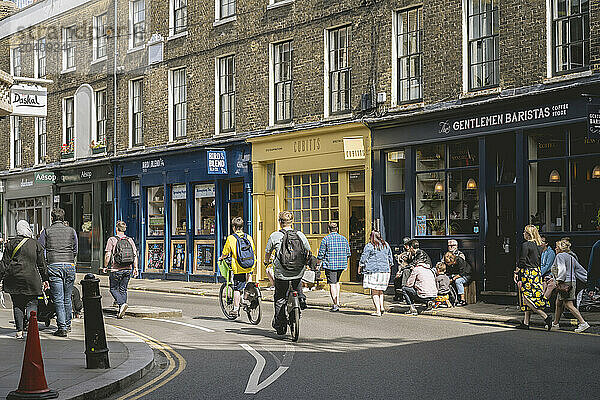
point(25, 183)
point(29, 101)
point(217, 162)
point(354, 148)
point(155, 255)
point(179, 192)
point(153, 163)
point(203, 191)
point(42, 178)
point(593, 121)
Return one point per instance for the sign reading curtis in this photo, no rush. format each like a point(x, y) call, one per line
point(28, 101)
point(509, 119)
point(217, 162)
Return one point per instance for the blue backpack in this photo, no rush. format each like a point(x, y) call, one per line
point(244, 253)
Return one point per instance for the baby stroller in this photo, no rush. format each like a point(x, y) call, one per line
point(47, 308)
point(590, 300)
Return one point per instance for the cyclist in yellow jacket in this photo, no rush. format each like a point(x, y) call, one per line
point(243, 259)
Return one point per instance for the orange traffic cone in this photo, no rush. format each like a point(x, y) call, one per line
point(33, 379)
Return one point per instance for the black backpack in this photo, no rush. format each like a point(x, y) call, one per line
point(123, 254)
point(292, 254)
point(244, 252)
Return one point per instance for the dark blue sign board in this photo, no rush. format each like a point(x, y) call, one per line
point(217, 162)
point(593, 121)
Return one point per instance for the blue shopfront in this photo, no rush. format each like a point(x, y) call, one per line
point(178, 207)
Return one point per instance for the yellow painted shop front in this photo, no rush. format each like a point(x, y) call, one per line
point(321, 175)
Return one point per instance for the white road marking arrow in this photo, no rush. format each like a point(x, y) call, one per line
point(253, 385)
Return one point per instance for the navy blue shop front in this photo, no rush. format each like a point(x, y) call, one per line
point(178, 207)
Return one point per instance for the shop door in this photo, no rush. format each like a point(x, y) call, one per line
point(393, 219)
point(132, 220)
point(356, 229)
point(82, 223)
point(234, 198)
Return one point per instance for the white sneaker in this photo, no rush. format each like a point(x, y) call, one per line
point(19, 335)
point(554, 327)
point(582, 327)
point(122, 310)
point(412, 311)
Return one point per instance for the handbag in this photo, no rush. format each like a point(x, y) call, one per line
point(549, 286)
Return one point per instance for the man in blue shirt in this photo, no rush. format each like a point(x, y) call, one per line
point(547, 257)
point(334, 252)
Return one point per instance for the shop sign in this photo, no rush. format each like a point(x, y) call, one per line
point(354, 148)
point(25, 183)
point(593, 121)
point(204, 191)
point(217, 162)
point(44, 178)
point(179, 192)
point(146, 165)
point(29, 101)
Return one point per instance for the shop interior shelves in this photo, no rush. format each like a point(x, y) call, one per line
point(156, 202)
point(430, 179)
point(430, 160)
point(431, 199)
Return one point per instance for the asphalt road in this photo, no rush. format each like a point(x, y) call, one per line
point(351, 354)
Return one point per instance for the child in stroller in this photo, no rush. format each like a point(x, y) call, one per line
point(442, 282)
point(47, 308)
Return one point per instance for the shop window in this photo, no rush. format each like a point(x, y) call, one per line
point(35, 210)
point(431, 204)
point(463, 201)
point(547, 143)
point(314, 200)
point(585, 180)
point(135, 188)
point(581, 144)
point(463, 154)
point(394, 171)
point(356, 181)
point(236, 191)
point(431, 157)
point(548, 195)
point(204, 197)
point(156, 211)
point(178, 210)
point(271, 177)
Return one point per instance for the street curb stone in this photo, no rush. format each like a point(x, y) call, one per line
point(146, 312)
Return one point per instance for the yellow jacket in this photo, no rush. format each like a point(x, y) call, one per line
point(231, 248)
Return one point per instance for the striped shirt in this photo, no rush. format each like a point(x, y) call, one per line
point(334, 251)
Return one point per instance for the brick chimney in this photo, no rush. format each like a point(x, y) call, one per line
point(7, 8)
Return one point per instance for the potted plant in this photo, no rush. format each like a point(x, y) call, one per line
point(436, 226)
point(67, 150)
point(98, 147)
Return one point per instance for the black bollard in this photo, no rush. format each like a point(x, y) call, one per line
point(96, 350)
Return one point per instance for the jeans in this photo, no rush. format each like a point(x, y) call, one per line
point(118, 285)
point(280, 300)
point(411, 296)
point(61, 278)
point(460, 285)
point(22, 307)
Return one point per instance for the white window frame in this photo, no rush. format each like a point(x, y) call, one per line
point(13, 51)
point(326, 70)
point(130, 111)
point(218, 131)
point(219, 17)
point(36, 58)
point(132, 45)
point(96, 138)
point(171, 103)
point(395, 101)
point(172, 32)
point(64, 121)
point(65, 51)
point(12, 142)
point(272, 94)
point(37, 139)
point(96, 38)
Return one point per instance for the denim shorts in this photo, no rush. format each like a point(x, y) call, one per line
point(239, 281)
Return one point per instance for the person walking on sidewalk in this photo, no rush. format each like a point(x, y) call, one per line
point(289, 251)
point(239, 246)
point(334, 253)
point(568, 271)
point(120, 255)
point(61, 245)
point(23, 271)
point(528, 278)
point(375, 264)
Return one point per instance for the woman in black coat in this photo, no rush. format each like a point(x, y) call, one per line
point(23, 270)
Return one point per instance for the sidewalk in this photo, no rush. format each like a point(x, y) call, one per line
point(357, 301)
point(64, 360)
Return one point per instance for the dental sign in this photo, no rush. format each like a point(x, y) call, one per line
point(29, 101)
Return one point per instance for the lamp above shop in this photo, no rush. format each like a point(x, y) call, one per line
point(471, 184)
point(439, 187)
point(554, 177)
point(596, 172)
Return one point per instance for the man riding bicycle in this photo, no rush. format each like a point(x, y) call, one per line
point(240, 247)
point(288, 250)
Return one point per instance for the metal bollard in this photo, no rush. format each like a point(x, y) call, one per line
point(96, 350)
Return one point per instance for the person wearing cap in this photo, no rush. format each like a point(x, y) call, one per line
point(334, 252)
point(453, 248)
point(403, 272)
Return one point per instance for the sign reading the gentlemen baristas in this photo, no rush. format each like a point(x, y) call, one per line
point(593, 112)
point(217, 162)
point(28, 101)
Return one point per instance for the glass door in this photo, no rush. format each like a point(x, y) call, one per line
point(356, 229)
point(82, 223)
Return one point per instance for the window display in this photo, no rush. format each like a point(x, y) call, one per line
point(204, 196)
point(155, 256)
point(394, 171)
point(356, 181)
point(178, 210)
point(156, 211)
point(178, 256)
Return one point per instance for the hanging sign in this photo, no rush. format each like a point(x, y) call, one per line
point(217, 162)
point(354, 148)
point(204, 191)
point(29, 101)
point(593, 121)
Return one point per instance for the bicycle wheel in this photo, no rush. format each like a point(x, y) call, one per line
point(294, 320)
point(253, 309)
point(226, 300)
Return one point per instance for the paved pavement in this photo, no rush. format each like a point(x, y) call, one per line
point(64, 360)
point(357, 301)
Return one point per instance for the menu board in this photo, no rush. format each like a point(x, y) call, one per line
point(204, 256)
point(178, 256)
point(155, 256)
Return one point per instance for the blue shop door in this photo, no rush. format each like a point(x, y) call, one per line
point(393, 219)
point(133, 220)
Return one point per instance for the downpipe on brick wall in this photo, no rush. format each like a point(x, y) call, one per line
point(115, 53)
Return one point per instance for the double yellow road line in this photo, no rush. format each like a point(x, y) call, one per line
point(173, 370)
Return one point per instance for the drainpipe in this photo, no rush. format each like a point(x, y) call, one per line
point(115, 82)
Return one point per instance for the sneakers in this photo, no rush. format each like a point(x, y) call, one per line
point(234, 313)
point(461, 303)
point(522, 326)
point(582, 327)
point(60, 333)
point(122, 310)
point(548, 322)
point(412, 311)
point(19, 335)
point(554, 327)
point(335, 308)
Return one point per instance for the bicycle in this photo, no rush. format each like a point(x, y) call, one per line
point(250, 297)
point(292, 311)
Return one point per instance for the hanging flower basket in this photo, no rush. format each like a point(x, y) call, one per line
point(67, 156)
